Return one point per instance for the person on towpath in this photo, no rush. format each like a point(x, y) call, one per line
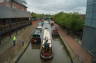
point(14, 40)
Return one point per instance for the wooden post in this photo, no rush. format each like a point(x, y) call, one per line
point(0, 40)
point(10, 34)
point(10, 27)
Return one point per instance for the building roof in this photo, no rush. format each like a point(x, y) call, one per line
point(6, 12)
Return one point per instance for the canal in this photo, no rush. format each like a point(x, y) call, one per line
point(32, 54)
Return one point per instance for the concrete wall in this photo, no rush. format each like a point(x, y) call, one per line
point(89, 40)
point(89, 35)
point(91, 13)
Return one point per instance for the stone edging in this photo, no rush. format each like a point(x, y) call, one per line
point(15, 60)
point(74, 58)
point(19, 55)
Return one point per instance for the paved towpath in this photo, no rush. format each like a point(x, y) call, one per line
point(83, 55)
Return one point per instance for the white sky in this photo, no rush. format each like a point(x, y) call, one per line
point(54, 6)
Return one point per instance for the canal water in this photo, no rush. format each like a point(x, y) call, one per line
point(32, 54)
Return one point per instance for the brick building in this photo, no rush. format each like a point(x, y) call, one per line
point(13, 16)
point(13, 4)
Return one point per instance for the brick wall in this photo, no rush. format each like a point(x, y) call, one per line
point(14, 5)
point(18, 6)
point(5, 4)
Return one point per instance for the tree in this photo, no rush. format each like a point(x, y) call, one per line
point(70, 21)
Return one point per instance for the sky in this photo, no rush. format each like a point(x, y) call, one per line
point(55, 6)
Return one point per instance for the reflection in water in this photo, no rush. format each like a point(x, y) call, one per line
point(32, 54)
point(35, 46)
point(46, 61)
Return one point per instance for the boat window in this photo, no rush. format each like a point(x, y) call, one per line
point(36, 36)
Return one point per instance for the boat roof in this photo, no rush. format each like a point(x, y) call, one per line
point(47, 36)
point(39, 27)
point(37, 32)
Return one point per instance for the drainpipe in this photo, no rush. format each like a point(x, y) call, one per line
point(11, 2)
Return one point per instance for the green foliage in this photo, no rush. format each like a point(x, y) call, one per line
point(40, 15)
point(37, 15)
point(72, 21)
